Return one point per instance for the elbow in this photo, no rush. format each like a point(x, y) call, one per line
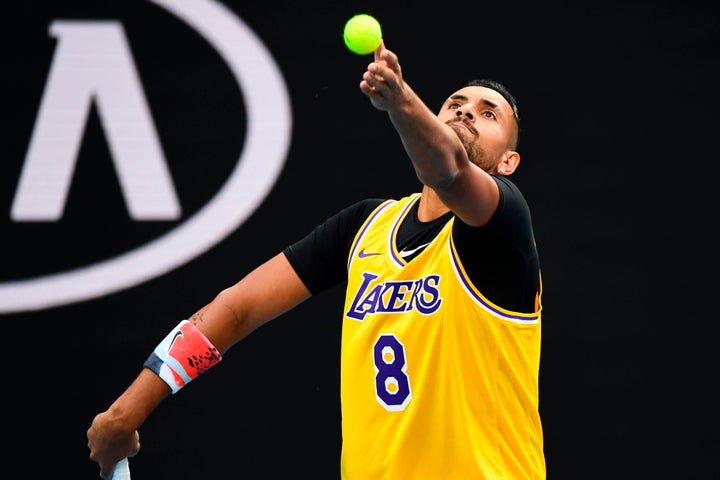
point(439, 183)
point(231, 312)
point(443, 172)
point(438, 180)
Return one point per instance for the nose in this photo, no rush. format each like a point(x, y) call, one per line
point(464, 111)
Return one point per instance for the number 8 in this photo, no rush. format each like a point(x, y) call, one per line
point(392, 384)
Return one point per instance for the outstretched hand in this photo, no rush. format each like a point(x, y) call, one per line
point(383, 83)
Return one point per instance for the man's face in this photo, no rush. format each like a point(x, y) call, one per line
point(484, 122)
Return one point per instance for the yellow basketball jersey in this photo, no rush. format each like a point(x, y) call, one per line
point(437, 382)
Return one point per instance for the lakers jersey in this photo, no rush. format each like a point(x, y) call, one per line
point(437, 382)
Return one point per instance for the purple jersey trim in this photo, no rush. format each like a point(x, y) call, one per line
point(517, 318)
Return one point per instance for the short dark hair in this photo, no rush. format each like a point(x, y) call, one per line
point(502, 90)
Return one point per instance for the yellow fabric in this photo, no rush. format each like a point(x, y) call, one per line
point(457, 377)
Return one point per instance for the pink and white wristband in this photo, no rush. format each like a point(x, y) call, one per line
point(182, 356)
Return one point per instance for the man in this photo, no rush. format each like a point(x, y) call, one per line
point(441, 326)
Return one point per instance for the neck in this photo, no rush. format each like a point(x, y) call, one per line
point(431, 207)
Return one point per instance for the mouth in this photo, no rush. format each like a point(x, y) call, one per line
point(464, 125)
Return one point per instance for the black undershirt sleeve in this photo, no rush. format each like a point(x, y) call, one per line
point(320, 258)
point(501, 258)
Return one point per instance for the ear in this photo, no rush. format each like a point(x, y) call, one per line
point(509, 163)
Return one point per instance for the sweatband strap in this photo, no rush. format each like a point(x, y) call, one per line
point(182, 356)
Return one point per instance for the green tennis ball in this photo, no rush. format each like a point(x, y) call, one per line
point(362, 34)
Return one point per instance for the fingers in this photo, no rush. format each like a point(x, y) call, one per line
point(379, 50)
point(374, 79)
point(382, 80)
point(366, 88)
point(106, 447)
point(107, 473)
point(388, 57)
point(384, 71)
point(136, 447)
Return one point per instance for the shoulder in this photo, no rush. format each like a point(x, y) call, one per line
point(364, 208)
point(508, 188)
point(320, 257)
point(512, 202)
point(352, 217)
point(511, 218)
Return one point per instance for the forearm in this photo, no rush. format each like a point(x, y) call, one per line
point(134, 405)
point(113, 433)
point(434, 149)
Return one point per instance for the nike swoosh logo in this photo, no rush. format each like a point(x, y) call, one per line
point(363, 254)
point(179, 333)
point(407, 253)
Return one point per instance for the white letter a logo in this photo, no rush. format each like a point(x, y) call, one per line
point(93, 63)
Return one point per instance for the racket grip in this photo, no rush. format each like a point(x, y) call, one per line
point(122, 470)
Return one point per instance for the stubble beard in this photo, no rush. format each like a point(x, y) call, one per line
point(475, 154)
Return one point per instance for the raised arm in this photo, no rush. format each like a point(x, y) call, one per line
point(438, 144)
point(265, 293)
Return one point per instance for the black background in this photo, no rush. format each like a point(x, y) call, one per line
point(618, 101)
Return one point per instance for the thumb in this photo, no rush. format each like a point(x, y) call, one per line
point(379, 50)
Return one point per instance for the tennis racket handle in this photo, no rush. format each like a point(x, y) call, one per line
point(122, 470)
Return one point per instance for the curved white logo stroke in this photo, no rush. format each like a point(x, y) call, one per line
point(262, 159)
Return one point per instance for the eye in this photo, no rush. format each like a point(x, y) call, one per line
point(454, 106)
point(489, 114)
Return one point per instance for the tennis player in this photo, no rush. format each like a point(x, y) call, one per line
point(441, 322)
